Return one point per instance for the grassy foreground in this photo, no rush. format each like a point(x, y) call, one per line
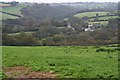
point(66, 61)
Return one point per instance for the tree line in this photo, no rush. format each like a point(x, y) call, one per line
point(49, 35)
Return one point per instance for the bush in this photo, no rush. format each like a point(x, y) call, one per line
point(105, 50)
point(19, 40)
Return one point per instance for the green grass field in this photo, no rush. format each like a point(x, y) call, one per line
point(65, 61)
point(0, 62)
point(104, 23)
point(6, 16)
point(90, 14)
point(105, 18)
point(13, 10)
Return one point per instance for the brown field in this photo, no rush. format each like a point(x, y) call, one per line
point(4, 5)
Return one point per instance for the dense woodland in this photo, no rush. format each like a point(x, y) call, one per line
point(45, 25)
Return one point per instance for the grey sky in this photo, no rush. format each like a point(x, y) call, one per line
point(59, 1)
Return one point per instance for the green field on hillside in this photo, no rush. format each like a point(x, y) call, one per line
point(65, 61)
point(14, 9)
point(90, 14)
point(6, 16)
point(105, 18)
point(104, 23)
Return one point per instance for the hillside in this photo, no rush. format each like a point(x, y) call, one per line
point(43, 12)
point(44, 24)
point(94, 6)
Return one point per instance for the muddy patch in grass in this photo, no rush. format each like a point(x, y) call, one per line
point(23, 72)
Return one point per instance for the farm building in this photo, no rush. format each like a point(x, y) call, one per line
point(90, 28)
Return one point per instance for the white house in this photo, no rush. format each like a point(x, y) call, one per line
point(69, 26)
point(89, 28)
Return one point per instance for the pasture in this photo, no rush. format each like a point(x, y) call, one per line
point(107, 17)
point(6, 16)
point(90, 14)
point(102, 18)
point(93, 14)
point(13, 10)
point(65, 61)
point(104, 23)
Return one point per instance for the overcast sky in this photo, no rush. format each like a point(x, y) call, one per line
point(59, 1)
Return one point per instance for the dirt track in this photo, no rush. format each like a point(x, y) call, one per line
point(23, 72)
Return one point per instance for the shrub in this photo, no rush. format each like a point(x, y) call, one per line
point(105, 50)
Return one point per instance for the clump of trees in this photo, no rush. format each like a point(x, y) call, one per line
point(20, 40)
point(97, 37)
point(47, 33)
point(14, 3)
point(43, 12)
